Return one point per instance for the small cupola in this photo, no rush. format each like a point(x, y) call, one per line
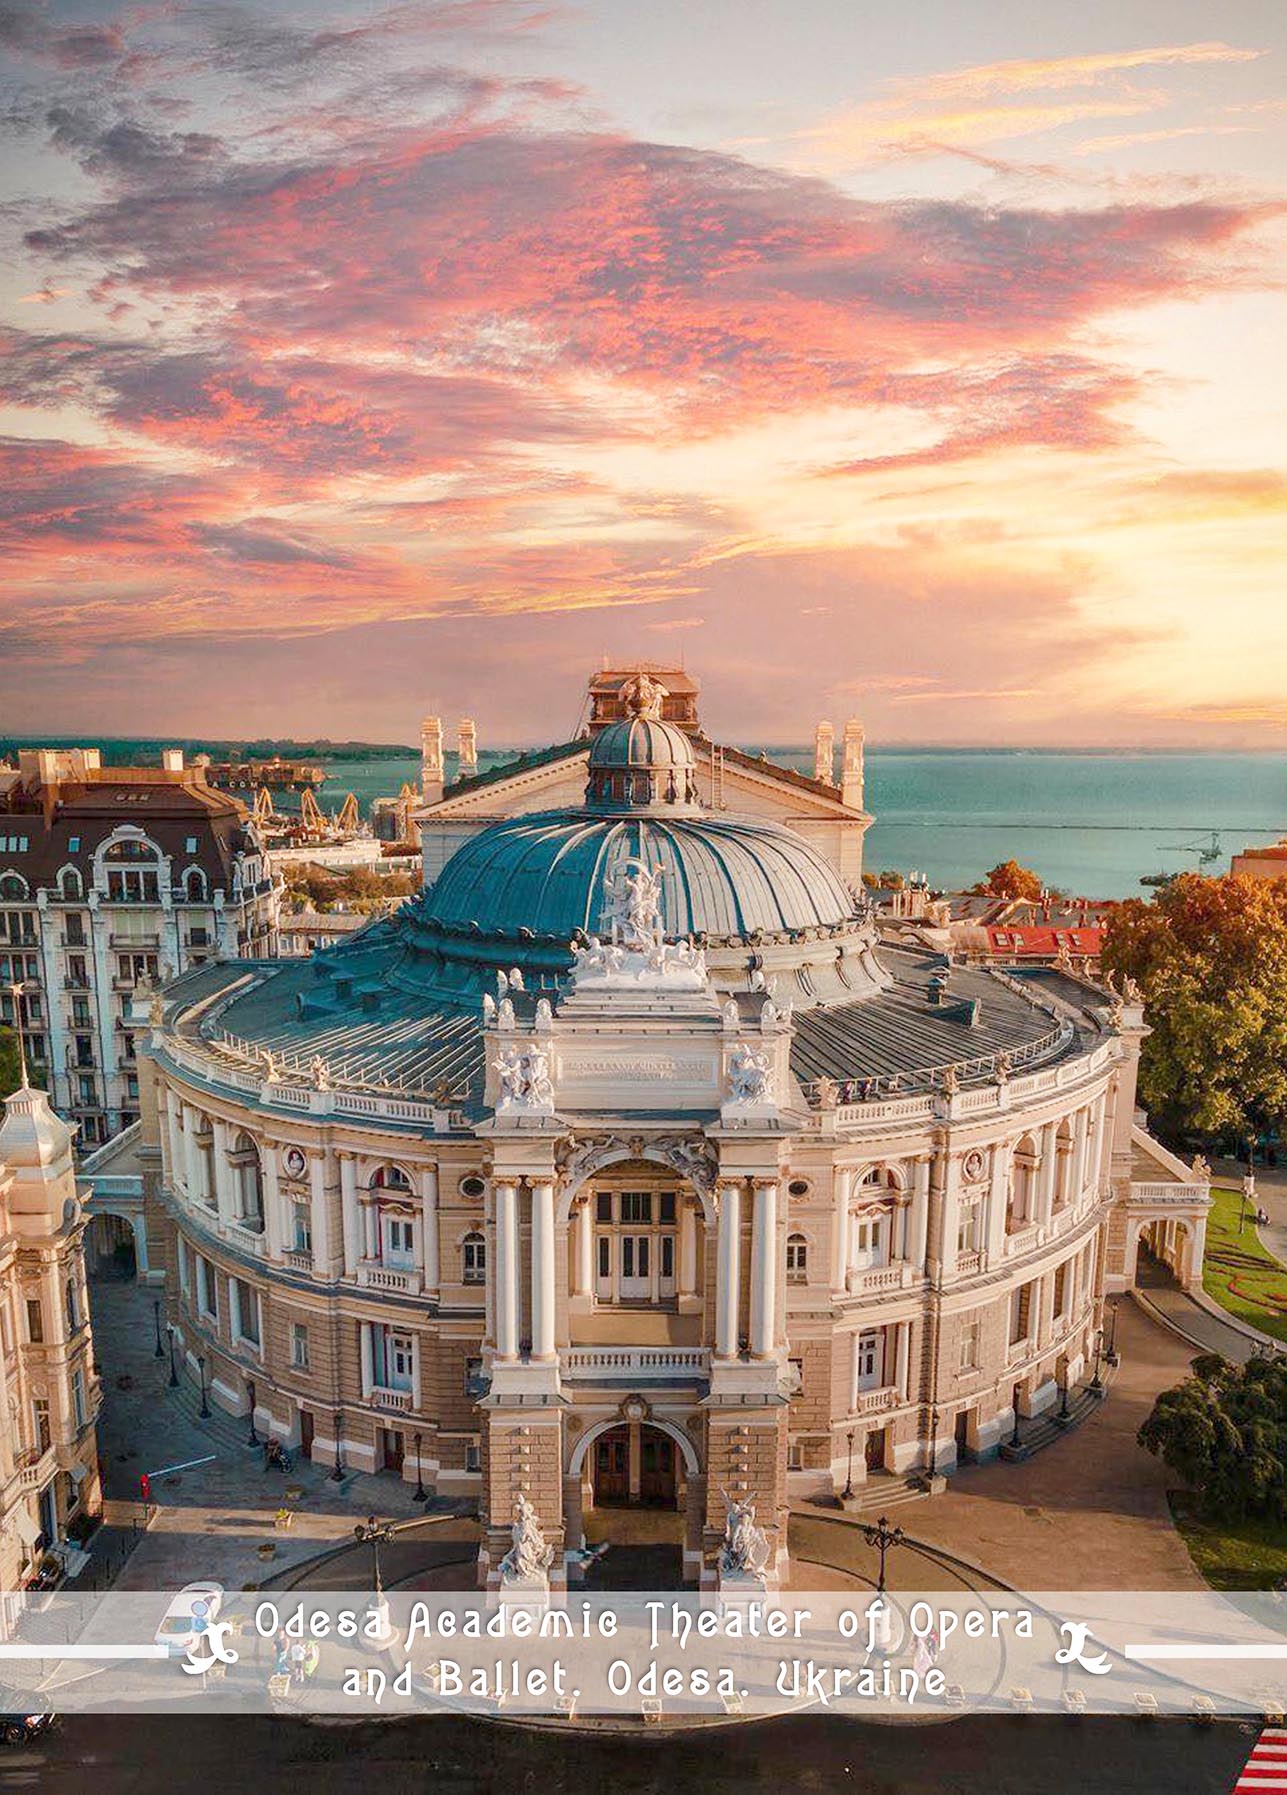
point(642, 762)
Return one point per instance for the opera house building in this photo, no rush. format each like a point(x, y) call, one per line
point(637, 1162)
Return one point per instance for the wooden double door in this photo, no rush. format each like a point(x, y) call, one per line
point(653, 1484)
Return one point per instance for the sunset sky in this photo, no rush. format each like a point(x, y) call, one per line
point(924, 362)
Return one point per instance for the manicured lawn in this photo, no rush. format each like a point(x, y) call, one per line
point(1237, 1271)
point(1232, 1555)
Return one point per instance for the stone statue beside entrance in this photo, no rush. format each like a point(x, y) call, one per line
point(529, 1557)
point(745, 1551)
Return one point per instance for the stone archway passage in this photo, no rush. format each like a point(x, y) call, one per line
point(110, 1250)
point(634, 1465)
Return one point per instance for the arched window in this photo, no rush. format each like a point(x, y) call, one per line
point(132, 872)
point(1063, 1165)
point(72, 885)
point(473, 1257)
point(391, 1219)
point(797, 1264)
point(1022, 1206)
point(249, 1177)
point(390, 1178)
point(194, 885)
point(12, 885)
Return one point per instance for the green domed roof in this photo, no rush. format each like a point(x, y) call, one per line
point(551, 872)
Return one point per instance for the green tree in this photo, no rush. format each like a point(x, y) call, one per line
point(1211, 958)
point(10, 1063)
point(1010, 880)
point(1224, 1432)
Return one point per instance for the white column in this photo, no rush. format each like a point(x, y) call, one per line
point(321, 1220)
point(842, 1185)
point(687, 1247)
point(174, 1123)
point(764, 1235)
point(543, 1269)
point(730, 1269)
point(506, 1269)
point(191, 1154)
point(584, 1269)
point(902, 1358)
point(350, 1216)
point(225, 1197)
point(998, 1196)
point(370, 1213)
point(429, 1223)
point(1046, 1173)
point(920, 1212)
point(368, 1359)
point(272, 1202)
point(1097, 1166)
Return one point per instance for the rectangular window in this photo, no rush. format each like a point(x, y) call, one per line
point(971, 1338)
point(473, 1456)
point(303, 1229)
point(636, 1206)
point(474, 1259)
point(668, 1255)
point(1061, 1290)
point(967, 1229)
point(207, 1290)
point(605, 1256)
point(35, 1321)
point(183, 1266)
point(603, 1206)
point(72, 1300)
point(247, 1311)
point(78, 1399)
point(1020, 1314)
point(40, 1418)
point(299, 1346)
point(667, 1201)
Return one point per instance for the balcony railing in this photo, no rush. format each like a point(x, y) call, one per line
point(678, 1362)
point(877, 1278)
point(298, 1259)
point(375, 1276)
point(397, 1401)
point(876, 1402)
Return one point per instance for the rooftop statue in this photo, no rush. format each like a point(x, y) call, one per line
point(634, 907)
point(643, 696)
point(750, 1075)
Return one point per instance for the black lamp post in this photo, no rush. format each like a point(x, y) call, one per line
point(174, 1373)
point(250, 1399)
point(374, 1533)
point(848, 1490)
point(420, 1493)
point(156, 1322)
point(338, 1472)
point(1111, 1351)
point(1064, 1414)
point(1014, 1437)
point(204, 1410)
point(1097, 1382)
point(883, 1536)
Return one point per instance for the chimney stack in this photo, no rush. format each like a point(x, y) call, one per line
point(467, 748)
point(172, 760)
point(431, 766)
point(851, 776)
point(824, 754)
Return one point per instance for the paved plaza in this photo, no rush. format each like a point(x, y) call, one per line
point(211, 1520)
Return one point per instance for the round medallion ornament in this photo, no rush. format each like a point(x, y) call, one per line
point(296, 1162)
point(973, 1166)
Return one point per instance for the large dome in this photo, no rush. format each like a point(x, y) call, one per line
point(551, 872)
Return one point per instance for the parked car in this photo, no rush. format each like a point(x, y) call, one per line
point(18, 1725)
point(187, 1616)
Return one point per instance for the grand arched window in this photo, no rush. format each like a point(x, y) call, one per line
point(249, 1183)
point(392, 1233)
point(133, 872)
point(873, 1220)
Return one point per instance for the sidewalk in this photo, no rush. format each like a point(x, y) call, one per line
point(209, 1521)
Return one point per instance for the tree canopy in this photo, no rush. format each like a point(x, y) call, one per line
point(1224, 1431)
point(1211, 958)
point(10, 1064)
point(1010, 880)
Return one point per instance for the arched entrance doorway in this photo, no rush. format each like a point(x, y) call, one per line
point(634, 1465)
point(109, 1248)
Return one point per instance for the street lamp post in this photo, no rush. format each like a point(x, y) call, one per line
point(848, 1490)
point(933, 1466)
point(338, 1471)
point(174, 1373)
point(250, 1400)
point(1064, 1413)
point(1097, 1382)
point(204, 1410)
point(1111, 1351)
point(883, 1536)
point(374, 1533)
point(156, 1322)
point(420, 1493)
point(1014, 1437)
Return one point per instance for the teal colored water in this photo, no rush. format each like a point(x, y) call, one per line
point(1090, 824)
